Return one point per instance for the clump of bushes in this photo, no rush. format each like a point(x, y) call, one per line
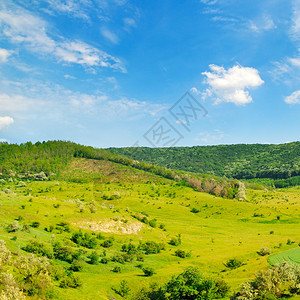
point(282, 280)
point(188, 285)
point(151, 247)
point(264, 251)
point(38, 248)
point(84, 239)
point(148, 271)
point(233, 263)
point(182, 253)
point(175, 241)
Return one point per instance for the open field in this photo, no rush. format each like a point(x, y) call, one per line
point(218, 230)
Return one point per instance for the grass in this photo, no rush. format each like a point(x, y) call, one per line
point(292, 255)
point(222, 229)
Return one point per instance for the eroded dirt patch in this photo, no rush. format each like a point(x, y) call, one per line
point(111, 226)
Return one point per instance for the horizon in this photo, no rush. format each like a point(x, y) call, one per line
point(122, 73)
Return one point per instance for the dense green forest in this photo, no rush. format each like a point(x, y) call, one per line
point(48, 159)
point(233, 161)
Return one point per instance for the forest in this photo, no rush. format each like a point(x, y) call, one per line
point(241, 161)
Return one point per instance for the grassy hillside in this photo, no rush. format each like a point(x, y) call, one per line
point(237, 161)
point(115, 205)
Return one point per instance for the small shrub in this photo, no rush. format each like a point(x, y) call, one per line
point(148, 271)
point(182, 253)
point(14, 226)
point(123, 290)
point(116, 269)
point(70, 280)
point(35, 224)
point(38, 248)
point(76, 266)
point(104, 260)
point(107, 243)
point(264, 251)
point(94, 258)
point(195, 210)
point(233, 263)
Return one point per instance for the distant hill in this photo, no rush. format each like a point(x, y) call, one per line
point(239, 161)
point(49, 160)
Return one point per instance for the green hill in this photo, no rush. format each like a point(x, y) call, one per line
point(98, 224)
point(236, 161)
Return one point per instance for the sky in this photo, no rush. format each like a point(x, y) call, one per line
point(115, 73)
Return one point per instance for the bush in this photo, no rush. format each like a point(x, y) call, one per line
point(76, 266)
point(195, 210)
point(191, 285)
point(84, 240)
point(35, 224)
point(116, 269)
point(61, 252)
point(264, 251)
point(104, 260)
point(281, 281)
point(182, 253)
point(233, 263)
point(70, 280)
point(14, 226)
point(94, 258)
point(123, 289)
point(107, 243)
point(148, 271)
point(151, 247)
point(38, 248)
point(63, 226)
point(175, 241)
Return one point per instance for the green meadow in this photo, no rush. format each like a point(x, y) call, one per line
point(118, 203)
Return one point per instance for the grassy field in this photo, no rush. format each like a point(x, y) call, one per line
point(292, 255)
point(218, 230)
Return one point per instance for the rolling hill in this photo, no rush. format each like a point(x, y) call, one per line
point(98, 224)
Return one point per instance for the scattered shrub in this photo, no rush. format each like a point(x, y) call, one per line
point(264, 251)
point(38, 248)
point(233, 263)
point(148, 271)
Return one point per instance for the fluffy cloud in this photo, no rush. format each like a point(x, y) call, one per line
point(295, 61)
point(5, 122)
point(294, 98)
point(21, 26)
point(231, 85)
point(4, 54)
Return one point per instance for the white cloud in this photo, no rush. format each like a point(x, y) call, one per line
point(264, 24)
point(195, 91)
point(209, 2)
point(230, 85)
point(22, 27)
point(110, 35)
point(295, 61)
point(294, 98)
point(4, 54)
point(74, 8)
point(14, 104)
point(295, 28)
point(5, 122)
point(85, 101)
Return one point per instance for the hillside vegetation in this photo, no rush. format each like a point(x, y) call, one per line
point(81, 223)
point(233, 161)
point(50, 158)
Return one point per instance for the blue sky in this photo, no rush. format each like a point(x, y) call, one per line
point(106, 72)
